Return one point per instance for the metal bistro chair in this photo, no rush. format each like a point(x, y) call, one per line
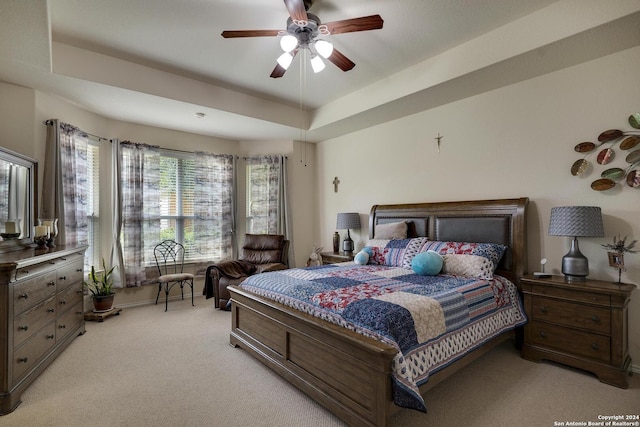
point(169, 256)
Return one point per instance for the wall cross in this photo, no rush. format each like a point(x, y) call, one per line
point(335, 183)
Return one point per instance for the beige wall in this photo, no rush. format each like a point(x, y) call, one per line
point(511, 142)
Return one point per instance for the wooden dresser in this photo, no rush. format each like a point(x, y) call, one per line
point(583, 325)
point(41, 313)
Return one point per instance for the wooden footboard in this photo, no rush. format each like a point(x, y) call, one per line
point(347, 373)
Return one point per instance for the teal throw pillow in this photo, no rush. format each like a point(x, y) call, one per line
point(361, 258)
point(427, 263)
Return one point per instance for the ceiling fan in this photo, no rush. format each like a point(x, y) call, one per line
point(303, 32)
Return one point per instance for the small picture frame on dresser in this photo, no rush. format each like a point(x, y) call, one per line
point(616, 260)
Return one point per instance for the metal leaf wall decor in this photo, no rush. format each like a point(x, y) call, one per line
point(606, 152)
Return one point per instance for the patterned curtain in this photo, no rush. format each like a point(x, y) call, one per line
point(140, 180)
point(64, 192)
point(267, 198)
point(214, 205)
point(5, 168)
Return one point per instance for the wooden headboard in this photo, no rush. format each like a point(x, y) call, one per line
point(492, 221)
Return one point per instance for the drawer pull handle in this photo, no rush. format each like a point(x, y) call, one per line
point(543, 334)
point(23, 296)
point(50, 337)
point(23, 359)
point(595, 319)
point(62, 327)
point(50, 310)
point(23, 328)
point(63, 302)
point(595, 346)
point(543, 309)
point(51, 283)
point(79, 270)
point(63, 277)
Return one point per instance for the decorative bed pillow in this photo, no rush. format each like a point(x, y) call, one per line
point(398, 252)
point(427, 263)
point(391, 230)
point(468, 265)
point(361, 257)
point(492, 251)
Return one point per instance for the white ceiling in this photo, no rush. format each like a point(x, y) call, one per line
point(158, 62)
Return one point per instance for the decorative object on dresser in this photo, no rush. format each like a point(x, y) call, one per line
point(41, 298)
point(11, 229)
point(582, 325)
point(333, 258)
point(347, 221)
point(101, 288)
point(336, 242)
point(52, 228)
point(576, 221)
point(616, 255)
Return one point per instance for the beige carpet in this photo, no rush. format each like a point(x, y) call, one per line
point(146, 367)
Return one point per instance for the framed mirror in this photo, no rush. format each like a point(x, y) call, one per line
point(18, 195)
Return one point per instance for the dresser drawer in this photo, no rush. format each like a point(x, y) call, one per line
point(32, 291)
point(591, 297)
point(68, 321)
point(70, 274)
point(28, 323)
point(568, 340)
point(587, 317)
point(68, 298)
point(26, 356)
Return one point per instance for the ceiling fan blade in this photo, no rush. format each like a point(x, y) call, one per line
point(249, 33)
point(341, 61)
point(296, 10)
point(278, 72)
point(365, 23)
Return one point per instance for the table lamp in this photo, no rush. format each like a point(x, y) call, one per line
point(576, 221)
point(347, 221)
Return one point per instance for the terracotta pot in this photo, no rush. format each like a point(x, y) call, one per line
point(103, 302)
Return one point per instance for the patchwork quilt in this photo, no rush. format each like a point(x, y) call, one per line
point(431, 320)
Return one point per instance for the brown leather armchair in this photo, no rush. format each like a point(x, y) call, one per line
point(260, 253)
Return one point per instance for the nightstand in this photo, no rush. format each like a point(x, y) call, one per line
point(583, 325)
point(333, 257)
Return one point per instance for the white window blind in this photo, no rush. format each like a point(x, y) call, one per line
point(92, 255)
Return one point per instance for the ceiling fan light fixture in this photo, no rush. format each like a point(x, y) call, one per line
point(317, 64)
point(285, 60)
point(288, 42)
point(324, 48)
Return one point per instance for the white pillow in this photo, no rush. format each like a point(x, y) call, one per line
point(468, 265)
point(391, 230)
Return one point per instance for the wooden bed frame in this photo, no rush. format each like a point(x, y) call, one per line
point(348, 373)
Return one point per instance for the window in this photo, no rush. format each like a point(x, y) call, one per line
point(263, 194)
point(92, 255)
point(177, 201)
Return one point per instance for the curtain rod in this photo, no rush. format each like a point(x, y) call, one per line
point(251, 157)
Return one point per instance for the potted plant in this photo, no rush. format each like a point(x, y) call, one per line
point(100, 285)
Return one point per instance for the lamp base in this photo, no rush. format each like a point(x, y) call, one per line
point(347, 243)
point(575, 266)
